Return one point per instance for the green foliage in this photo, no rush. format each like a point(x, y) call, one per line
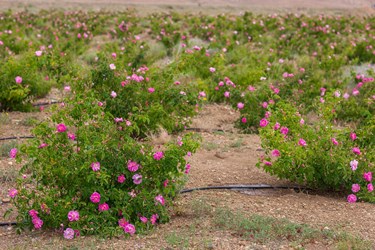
point(63, 178)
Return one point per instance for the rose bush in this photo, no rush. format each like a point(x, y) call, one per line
point(85, 174)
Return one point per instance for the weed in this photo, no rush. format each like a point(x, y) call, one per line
point(6, 147)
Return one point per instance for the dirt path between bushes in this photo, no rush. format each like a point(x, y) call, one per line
point(224, 158)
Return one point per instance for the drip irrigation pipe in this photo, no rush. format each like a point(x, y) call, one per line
point(188, 129)
point(236, 187)
point(230, 187)
point(17, 137)
point(46, 103)
point(207, 130)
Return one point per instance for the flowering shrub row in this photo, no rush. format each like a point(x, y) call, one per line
point(86, 175)
point(318, 155)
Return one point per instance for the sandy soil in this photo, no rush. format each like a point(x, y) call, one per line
point(348, 6)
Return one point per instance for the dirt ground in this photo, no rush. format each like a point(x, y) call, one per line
point(362, 7)
point(224, 158)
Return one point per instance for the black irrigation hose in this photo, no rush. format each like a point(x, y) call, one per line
point(207, 130)
point(17, 137)
point(230, 187)
point(4, 224)
point(236, 187)
point(46, 103)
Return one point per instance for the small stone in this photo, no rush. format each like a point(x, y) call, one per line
point(6, 200)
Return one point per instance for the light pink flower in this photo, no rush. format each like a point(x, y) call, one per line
point(13, 153)
point(38, 53)
point(100, 104)
point(67, 88)
point(119, 119)
point(355, 92)
point(354, 165)
point(113, 94)
point(103, 207)
point(212, 70)
point(61, 128)
point(352, 198)
point(356, 188)
point(346, 96)
point(43, 145)
point(95, 166)
point(121, 178)
point(112, 66)
point(73, 215)
point(240, 105)
point(71, 136)
point(129, 228)
point(95, 197)
point(160, 199)
point(302, 142)
point(137, 179)
point(276, 126)
point(132, 166)
point(13, 193)
point(69, 233)
point(151, 90)
point(367, 176)
point(226, 94)
point(302, 121)
point(263, 122)
point(264, 104)
point(114, 55)
point(353, 136)
point(143, 219)
point(158, 155)
point(18, 79)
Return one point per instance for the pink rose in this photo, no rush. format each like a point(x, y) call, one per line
point(352, 198)
point(132, 166)
point(367, 176)
point(13, 153)
point(370, 187)
point(121, 178)
point(73, 215)
point(13, 193)
point(61, 128)
point(356, 188)
point(302, 142)
point(263, 122)
point(129, 228)
point(95, 197)
point(158, 155)
point(160, 199)
point(18, 79)
point(356, 151)
point(95, 166)
point(103, 207)
point(284, 130)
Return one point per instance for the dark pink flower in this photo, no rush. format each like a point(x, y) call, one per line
point(263, 122)
point(61, 128)
point(121, 178)
point(352, 198)
point(95, 166)
point(103, 207)
point(356, 151)
point(13, 153)
point(129, 228)
point(284, 130)
point(158, 155)
point(132, 166)
point(95, 197)
point(367, 176)
point(13, 193)
point(73, 215)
